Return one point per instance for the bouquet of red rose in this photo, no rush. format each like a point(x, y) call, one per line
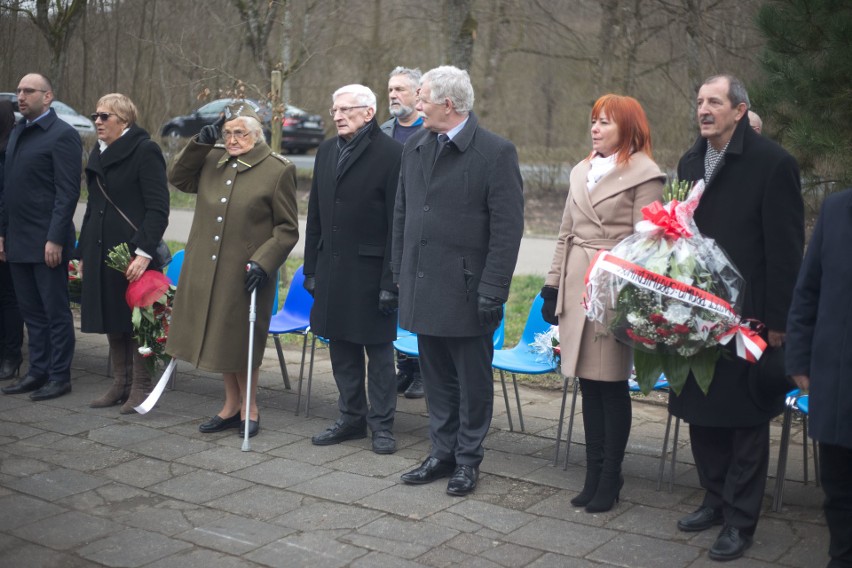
point(151, 299)
point(672, 294)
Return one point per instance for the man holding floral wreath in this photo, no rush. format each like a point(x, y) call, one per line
point(752, 207)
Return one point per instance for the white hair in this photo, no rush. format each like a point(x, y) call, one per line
point(363, 95)
point(448, 82)
point(252, 125)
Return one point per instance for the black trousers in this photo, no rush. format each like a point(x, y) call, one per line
point(732, 464)
point(459, 386)
point(42, 294)
point(347, 365)
point(835, 463)
point(11, 323)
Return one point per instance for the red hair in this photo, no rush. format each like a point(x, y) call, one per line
point(634, 134)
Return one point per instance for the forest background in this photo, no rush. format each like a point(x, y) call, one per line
point(536, 65)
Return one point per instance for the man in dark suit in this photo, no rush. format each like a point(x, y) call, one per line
point(752, 207)
point(347, 266)
point(458, 222)
point(818, 358)
point(42, 185)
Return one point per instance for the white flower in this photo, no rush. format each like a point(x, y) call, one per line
point(677, 313)
point(145, 351)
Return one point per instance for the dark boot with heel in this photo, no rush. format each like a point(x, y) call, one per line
point(617, 415)
point(593, 424)
point(141, 387)
point(119, 352)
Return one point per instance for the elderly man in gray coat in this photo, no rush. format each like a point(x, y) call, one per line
point(458, 222)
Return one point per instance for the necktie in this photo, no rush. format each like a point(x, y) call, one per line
point(442, 142)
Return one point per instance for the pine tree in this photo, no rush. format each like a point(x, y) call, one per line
point(806, 95)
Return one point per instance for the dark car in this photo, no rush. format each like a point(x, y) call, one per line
point(300, 131)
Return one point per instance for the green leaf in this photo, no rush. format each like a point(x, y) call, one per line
point(648, 367)
point(148, 313)
point(703, 365)
point(676, 368)
point(136, 317)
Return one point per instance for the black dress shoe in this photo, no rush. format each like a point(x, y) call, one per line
point(51, 389)
point(340, 432)
point(463, 480)
point(730, 544)
point(415, 389)
point(700, 520)
point(254, 428)
point(403, 380)
point(217, 424)
point(429, 471)
point(384, 442)
point(27, 384)
point(9, 368)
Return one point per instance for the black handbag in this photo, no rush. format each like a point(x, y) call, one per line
point(162, 256)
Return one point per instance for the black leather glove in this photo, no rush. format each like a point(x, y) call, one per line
point(210, 134)
point(388, 302)
point(255, 277)
point(548, 308)
point(489, 310)
point(310, 284)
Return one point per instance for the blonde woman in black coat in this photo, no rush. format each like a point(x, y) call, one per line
point(129, 167)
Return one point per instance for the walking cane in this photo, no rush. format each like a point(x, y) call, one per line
point(252, 319)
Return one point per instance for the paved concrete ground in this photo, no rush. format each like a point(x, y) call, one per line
point(88, 487)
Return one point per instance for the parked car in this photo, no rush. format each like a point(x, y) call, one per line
point(80, 123)
point(300, 131)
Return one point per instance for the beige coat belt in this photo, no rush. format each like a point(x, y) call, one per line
point(591, 246)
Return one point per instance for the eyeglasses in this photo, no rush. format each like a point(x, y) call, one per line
point(28, 91)
point(238, 134)
point(104, 116)
point(343, 110)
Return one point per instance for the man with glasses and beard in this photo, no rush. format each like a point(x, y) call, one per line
point(42, 185)
point(402, 92)
point(402, 97)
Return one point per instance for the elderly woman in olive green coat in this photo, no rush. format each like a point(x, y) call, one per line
point(244, 227)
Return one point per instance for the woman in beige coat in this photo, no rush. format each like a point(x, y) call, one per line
point(607, 192)
point(244, 227)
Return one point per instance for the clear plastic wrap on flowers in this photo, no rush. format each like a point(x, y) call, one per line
point(670, 292)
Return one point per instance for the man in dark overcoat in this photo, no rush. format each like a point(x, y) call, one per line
point(752, 207)
point(347, 267)
point(44, 161)
point(819, 358)
point(458, 223)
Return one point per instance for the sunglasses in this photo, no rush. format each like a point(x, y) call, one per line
point(104, 116)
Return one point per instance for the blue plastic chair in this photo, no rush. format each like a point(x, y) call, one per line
point(174, 267)
point(522, 359)
point(293, 317)
point(796, 402)
point(406, 341)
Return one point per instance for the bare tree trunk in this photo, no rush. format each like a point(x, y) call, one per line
point(115, 48)
point(496, 52)
point(461, 30)
point(693, 53)
point(56, 22)
point(609, 39)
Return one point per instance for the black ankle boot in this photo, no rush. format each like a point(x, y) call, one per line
point(590, 487)
point(609, 490)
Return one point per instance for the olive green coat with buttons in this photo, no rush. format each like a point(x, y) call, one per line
point(245, 211)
